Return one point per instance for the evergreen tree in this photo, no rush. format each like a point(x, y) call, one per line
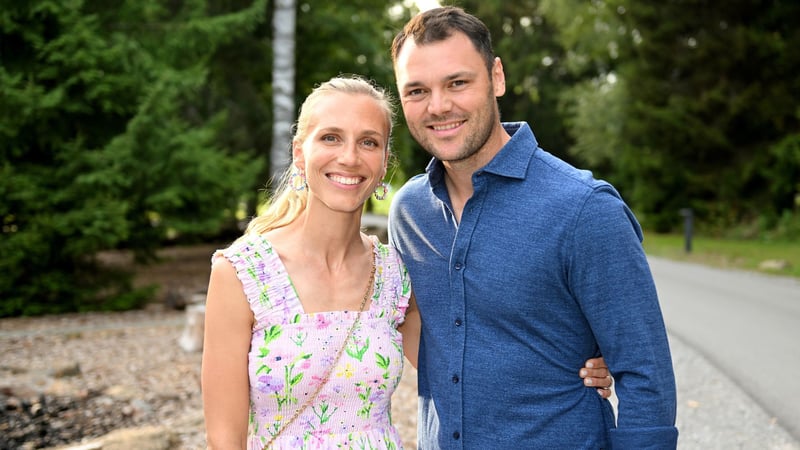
point(717, 93)
point(105, 145)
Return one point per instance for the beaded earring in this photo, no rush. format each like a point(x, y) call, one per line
point(298, 181)
point(381, 191)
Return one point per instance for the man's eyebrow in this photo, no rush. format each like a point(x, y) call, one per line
point(412, 84)
point(451, 77)
point(461, 74)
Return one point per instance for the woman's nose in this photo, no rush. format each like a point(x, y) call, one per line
point(349, 154)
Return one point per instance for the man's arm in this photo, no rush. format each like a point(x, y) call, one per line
point(612, 281)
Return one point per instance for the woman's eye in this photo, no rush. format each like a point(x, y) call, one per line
point(371, 143)
point(329, 138)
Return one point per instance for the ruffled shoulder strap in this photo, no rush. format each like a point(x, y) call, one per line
point(266, 284)
point(395, 286)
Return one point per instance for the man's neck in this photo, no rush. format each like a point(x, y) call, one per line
point(458, 174)
point(459, 189)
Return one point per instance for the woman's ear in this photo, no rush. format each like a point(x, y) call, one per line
point(298, 158)
point(386, 159)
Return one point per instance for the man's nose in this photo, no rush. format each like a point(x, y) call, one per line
point(439, 102)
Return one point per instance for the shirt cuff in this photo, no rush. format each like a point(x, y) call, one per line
point(654, 438)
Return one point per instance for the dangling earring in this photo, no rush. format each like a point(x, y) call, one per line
point(298, 181)
point(380, 191)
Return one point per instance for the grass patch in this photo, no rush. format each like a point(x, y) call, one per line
point(728, 253)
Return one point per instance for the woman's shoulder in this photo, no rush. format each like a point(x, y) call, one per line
point(247, 252)
point(245, 246)
point(386, 252)
point(394, 276)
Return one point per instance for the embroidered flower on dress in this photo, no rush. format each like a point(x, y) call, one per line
point(269, 384)
point(346, 372)
point(322, 321)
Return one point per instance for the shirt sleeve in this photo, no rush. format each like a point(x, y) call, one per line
point(611, 279)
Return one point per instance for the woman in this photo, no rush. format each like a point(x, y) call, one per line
point(304, 315)
point(271, 338)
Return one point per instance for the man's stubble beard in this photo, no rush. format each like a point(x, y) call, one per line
point(474, 142)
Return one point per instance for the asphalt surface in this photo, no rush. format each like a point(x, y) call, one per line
point(735, 339)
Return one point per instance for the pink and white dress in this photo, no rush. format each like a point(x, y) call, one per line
point(291, 351)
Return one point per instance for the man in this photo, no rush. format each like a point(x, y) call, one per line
point(523, 267)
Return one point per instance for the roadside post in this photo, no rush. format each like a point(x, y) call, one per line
point(688, 219)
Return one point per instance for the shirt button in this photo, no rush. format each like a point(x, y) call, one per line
point(455, 379)
point(458, 322)
point(456, 435)
point(458, 266)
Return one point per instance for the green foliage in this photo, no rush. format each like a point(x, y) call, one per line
point(704, 105)
point(104, 146)
point(130, 124)
point(783, 171)
point(735, 113)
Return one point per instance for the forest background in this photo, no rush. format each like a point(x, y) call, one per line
point(136, 125)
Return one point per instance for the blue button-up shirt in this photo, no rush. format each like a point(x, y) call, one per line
point(544, 271)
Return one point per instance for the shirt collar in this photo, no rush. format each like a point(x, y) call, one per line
point(511, 161)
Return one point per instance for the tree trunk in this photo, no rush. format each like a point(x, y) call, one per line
point(282, 86)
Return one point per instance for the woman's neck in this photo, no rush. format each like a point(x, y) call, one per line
point(329, 238)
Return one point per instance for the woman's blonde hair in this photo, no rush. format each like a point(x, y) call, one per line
point(287, 204)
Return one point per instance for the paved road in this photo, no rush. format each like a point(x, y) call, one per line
point(736, 341)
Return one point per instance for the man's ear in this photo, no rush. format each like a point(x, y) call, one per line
point(498, 78)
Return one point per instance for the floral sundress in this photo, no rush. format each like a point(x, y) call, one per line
point(291, 351)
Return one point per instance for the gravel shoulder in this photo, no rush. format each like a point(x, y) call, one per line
point(714, 413)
